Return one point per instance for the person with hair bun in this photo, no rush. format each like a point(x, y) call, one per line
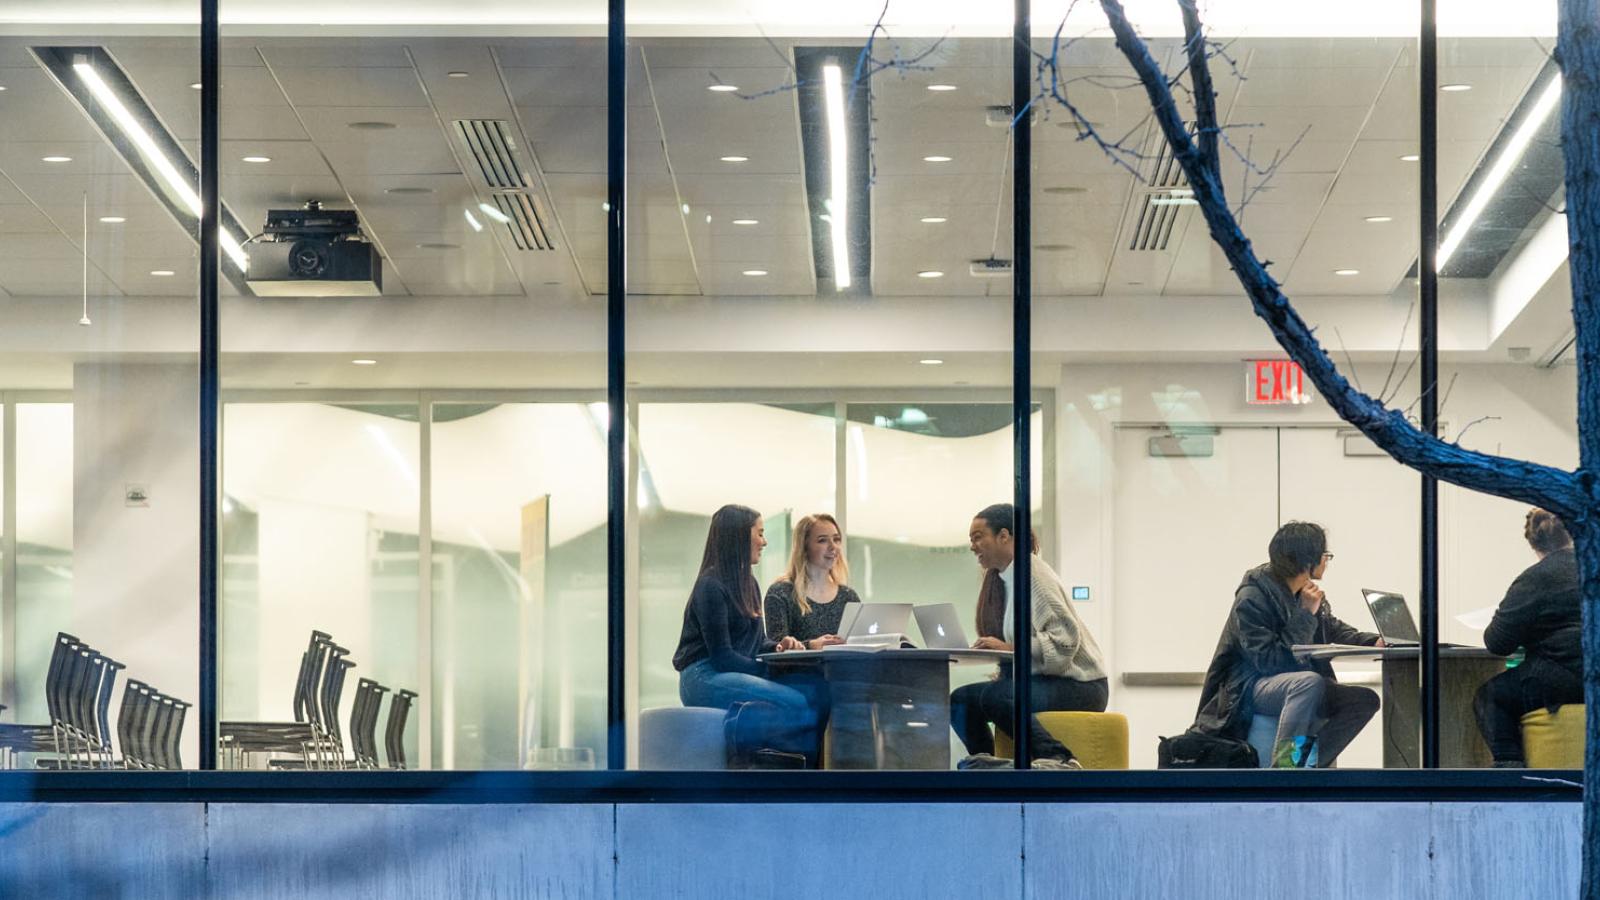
point(1542, 613)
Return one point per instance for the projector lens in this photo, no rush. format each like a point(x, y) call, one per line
point(308, 259)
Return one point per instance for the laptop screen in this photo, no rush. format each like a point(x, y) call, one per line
point(1392, 616)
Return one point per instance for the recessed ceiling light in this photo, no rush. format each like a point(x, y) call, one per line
point(1410, 157)
point(457, 74)
point(408, 191)
point(747, 221)
point(113, 220)
point(2, 87)
point(258, 159)
point(162, 273)
point(755, 273)
point(930, 274)
point(941, 88)
point(722, 88)
point(1378, 219)
point(933, 220)
point(735, 159)
point(57, 159)
point(685, 208)
point(196, 85)
point(1347, 271)
point(363, 362)
point(1455, 88)
point(931, 362)
point(371, 126)
point(936, 159)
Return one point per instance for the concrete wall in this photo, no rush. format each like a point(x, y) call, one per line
point(885, 851)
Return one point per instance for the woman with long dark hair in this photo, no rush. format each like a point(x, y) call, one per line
point(722, 633)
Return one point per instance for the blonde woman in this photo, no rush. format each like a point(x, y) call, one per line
point(807, 601)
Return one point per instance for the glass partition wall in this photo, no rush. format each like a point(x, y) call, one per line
point(819, 364)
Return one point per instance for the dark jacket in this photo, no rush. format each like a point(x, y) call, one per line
point(714, 628)
point(1266, 620)
point(1542, 612)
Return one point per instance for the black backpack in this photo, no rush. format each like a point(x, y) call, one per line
point(1193, 750)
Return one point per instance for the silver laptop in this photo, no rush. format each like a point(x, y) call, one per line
point(872, 619)
point(1393, 618)
point(941, 626)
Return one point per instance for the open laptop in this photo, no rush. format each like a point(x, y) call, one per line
point(1393, 618)
point(867, 620)
point(941, 626)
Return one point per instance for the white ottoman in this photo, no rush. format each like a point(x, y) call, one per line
point(682, 737)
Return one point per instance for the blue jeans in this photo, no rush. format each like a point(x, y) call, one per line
point(701, 684)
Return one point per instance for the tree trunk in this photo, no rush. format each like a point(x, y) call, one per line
point(1578, 52)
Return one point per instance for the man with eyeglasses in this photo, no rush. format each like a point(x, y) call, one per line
point(1254, 670)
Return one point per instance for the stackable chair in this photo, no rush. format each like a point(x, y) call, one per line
point(364, 723)
point(239, 739)
point(78, 694)
point(394, 733)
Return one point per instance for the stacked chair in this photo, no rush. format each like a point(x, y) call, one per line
point(78, 687)
point(149, 726)
point(315, 738)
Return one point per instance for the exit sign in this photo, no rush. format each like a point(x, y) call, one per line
point(1271, 382)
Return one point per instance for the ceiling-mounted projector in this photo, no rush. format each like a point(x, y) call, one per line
point(314, 252)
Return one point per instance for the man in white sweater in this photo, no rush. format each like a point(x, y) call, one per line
point(1068, 672)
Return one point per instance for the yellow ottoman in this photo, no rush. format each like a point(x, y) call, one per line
point(1098, 740)
point(1554, 741)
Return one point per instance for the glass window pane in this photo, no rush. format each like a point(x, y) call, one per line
point(97, 262)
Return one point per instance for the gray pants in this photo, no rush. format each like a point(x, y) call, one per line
point(1312, 705)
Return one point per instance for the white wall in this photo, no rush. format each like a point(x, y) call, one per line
point(136, 569)
point(1481, 547)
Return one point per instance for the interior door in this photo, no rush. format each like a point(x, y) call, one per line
point(1191, 514)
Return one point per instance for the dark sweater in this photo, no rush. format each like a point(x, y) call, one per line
point(1542, 612)
point(784, 618)
point(714, 628)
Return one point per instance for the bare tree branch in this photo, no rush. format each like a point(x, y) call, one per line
point(1546, 486)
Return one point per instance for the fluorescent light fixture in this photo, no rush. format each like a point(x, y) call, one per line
point(936, 159)
point(933, 220)
point(1455, 88)
point(494, 213)
point(735, 159)
point(930, 274)
point(931, 362)
point(257, 159)
point(1347, 271)
point(163, 273)
point(838, 174)
point(146, 145)
point(722, 88)
point(1376, 220)
point(472, 220)
point(941, 88)
point(1501, 169)
point(113, 220)
point(363, 362)
point(56, 159)
point(755, 273)
point(747, 221)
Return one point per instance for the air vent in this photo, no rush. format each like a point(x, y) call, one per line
point(527, 220)
point(1166, 194)
point(492, 148)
